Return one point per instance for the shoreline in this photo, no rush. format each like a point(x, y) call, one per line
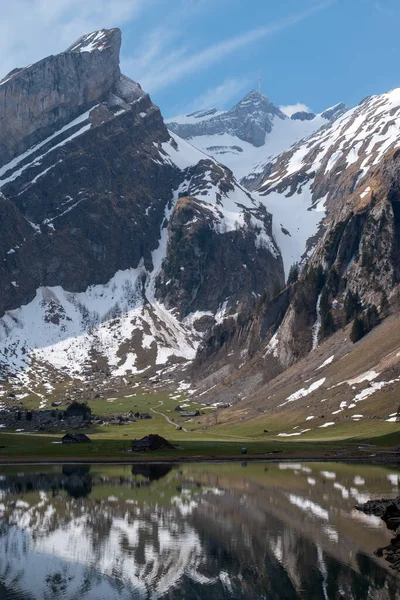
point(35, 461)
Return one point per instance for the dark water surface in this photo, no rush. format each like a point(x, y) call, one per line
point(200, 531)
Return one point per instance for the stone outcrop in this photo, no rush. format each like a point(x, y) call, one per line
point(389, 512)
point(71, 221)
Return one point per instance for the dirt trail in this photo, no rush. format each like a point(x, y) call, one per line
point(241, 437)
point(166, 416)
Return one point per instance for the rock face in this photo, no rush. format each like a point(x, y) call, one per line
point(247, 134)
point(73, 215)
point(43, 97)
point(389, 512)
point(249, 120)
point(334, 198)
point(95, 193)
point(196, 275)
point(303, 116)
point(349, 172)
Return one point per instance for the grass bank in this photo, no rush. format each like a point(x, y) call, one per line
point(200, 438)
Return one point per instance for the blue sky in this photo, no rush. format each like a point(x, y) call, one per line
point(193, 54)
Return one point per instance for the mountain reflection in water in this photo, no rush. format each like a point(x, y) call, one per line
point(276, 531)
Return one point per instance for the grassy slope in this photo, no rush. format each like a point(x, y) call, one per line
point(111, 442)
point(223, 433)
point(379, 352)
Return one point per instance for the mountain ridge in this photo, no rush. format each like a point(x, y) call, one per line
point(253, 129)
point(93, 208)
point(128, 252)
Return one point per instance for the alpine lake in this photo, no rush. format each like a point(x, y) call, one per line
point(195, 531)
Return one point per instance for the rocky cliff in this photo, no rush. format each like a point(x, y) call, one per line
point(349, 173)
point(116, 235)
point(335, 204)
point(43, 97)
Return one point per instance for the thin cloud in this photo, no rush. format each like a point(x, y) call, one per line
point(216, 97)
point(172, 65)
point(33, 29)
point(291, 109)
point(383, 8)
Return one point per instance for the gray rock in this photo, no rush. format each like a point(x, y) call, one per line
point(333, 113)
point(302, 115)
point(249, 120)
point(39, 99)
point(93, 199)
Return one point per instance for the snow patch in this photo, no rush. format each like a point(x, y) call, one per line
point(327, 362)
point(303, 392)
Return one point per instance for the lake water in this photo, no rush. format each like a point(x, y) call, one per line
point(195, 531)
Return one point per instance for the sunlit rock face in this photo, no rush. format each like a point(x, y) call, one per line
point(38, 99)
point(160, 531)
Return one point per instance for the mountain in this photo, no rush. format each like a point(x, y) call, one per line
point(328, 174)
point(250, 132)
point(349, 170)
point(331, 335)
point(121, 244)
point(128, 251)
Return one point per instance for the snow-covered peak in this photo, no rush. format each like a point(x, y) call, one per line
point(252, 132)
point(334, 112)
point(315, 176)
point(97, 40)
point(250, 120)
point(252, 104)
point(360, 136)
point(255, 101)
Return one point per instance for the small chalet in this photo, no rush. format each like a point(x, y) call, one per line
point(142, 445)
point(75, 438)
point(82, 438)
point(190, 414)
point(151, 442)
point(138, 415)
